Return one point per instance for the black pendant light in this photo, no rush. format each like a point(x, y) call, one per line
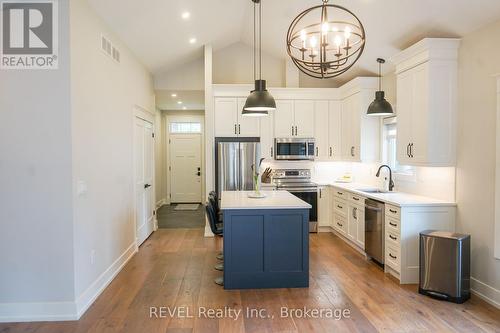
point(260, 101)
point(380, 106)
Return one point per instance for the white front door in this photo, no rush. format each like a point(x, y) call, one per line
point(185, 163)
point(144, 178)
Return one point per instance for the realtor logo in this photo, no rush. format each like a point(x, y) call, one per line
point(29, 35)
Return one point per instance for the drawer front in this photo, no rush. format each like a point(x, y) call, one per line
point(340, 207)
point(392, 225)
point(356, 199)
point(393, 211)
point(340, 224)
point(392, 237)
point(339, 193)
point(392, 257)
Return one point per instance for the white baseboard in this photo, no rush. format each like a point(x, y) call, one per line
point(27, 312)
point(486, 292)
point(161, 202)
point(325, 229)
point(88, 297)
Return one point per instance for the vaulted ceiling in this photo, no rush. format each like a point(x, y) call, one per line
point(155, 31)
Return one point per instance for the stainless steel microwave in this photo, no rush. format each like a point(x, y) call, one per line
point(294, 149)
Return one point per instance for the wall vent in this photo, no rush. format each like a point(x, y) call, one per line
point(109, 49)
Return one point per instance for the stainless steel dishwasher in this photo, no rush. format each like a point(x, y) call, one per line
point(375, 230)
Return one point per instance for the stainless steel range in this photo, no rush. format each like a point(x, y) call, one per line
point(298, 182)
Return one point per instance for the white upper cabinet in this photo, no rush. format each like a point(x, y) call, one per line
point(360, 140)
point(226, 117)
point(229, 122)
point(304, 119)
point(267, 136)
point(321, 130)
point(247, 126)
point(427, 102)
point(294, 119)
point(334, 130)
point(284, 119)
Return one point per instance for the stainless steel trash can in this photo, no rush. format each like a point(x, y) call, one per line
point(445, 265)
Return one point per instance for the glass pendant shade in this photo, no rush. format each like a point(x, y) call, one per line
point(260, 101)
point(380, 106)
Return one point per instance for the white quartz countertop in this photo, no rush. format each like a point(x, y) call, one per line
point(273, 200)
point(393, 198)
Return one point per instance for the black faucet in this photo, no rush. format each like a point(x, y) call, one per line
point(391, 182)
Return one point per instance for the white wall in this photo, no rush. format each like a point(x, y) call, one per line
point(478, 61)
point(188, 76)
point(36, 237)
point(234, 65)
point(103, 94)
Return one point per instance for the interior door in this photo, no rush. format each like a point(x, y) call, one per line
point(248, 126)
point(185, 164)
point(321, 129)
point(144, 178)
point(304, 119)
point(283, 119)
point(226, 118)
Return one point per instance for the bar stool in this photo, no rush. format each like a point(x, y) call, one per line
point(212, 197)
point(218, 231)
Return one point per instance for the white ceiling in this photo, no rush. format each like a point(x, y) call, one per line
point(156, 33)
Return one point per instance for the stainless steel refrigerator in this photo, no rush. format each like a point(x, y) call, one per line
point(234, 159)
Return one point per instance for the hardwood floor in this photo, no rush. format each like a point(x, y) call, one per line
point(175, 268)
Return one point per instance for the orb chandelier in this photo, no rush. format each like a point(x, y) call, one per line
point(325, 41)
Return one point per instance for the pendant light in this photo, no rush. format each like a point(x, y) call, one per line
point(260, 101)
point(380, 107)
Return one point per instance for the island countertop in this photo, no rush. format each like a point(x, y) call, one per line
point(273, 200)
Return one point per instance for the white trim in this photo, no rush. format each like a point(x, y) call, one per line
point(28, 312)
point(485, 292)
point(161, 202)
point(63, 311)
point(85, 300)
point(496, 236)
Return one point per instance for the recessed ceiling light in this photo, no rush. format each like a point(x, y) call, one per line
point(179, 102)
point(186, 15)
point(192, 40)
point(174, 95)
point(184, 108)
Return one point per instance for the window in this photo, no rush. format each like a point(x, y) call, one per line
point(185, 127)
point(390, 150)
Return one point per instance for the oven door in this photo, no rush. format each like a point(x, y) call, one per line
point(311, 197)
point(294, 149)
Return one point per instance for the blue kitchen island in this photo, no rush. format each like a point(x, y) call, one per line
point(266, 241)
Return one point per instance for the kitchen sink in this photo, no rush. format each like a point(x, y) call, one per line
point(372, 190)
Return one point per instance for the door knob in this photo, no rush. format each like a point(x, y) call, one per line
point(147, 185)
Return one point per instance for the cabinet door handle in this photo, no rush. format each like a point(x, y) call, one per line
point(411, 150)
point(393, 257)
point(295, 130)
point(317, 152)
point(340, 193)
point(235, 129)
point(339, 206)
point(352, 151)
point(393, 211)
point(340, 225)
point(239, 129)
point(392, 237)
point(408, 150)
point(271, 151)
point(292, 130)
point(354, 198)
point(354, 213)
point(330, 151)
point(392, 224)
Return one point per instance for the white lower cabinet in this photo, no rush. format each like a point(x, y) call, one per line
point(348, 216)
point(402, 232)
point(324, 207)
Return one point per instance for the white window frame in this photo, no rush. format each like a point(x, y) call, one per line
point(409, 175)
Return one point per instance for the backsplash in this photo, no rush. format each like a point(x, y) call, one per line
point(432, 182)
